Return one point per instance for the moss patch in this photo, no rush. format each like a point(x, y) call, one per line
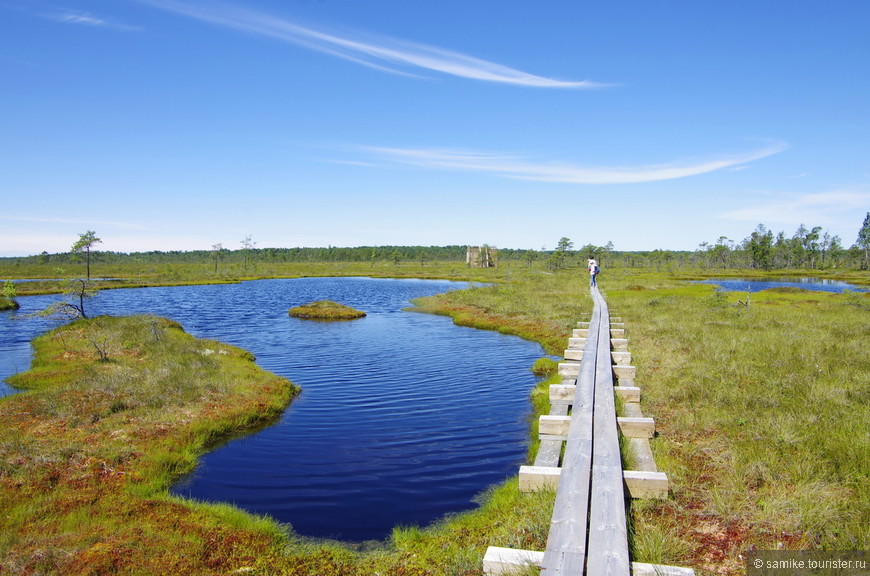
point(326, 310)
point(8, 304)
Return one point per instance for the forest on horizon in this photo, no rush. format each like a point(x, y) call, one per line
point(808, 248)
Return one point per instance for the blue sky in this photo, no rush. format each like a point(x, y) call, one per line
point(164, 124)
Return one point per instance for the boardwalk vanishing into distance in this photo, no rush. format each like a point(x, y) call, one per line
point(579, 453)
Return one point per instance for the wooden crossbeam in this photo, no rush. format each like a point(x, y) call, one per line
point(640, 484)
point(637, 427)
point(564, 393)
point(507, 561)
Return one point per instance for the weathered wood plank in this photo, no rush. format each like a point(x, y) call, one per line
point(642, 569)
point(641, 484)
point(559, 409)
point(621, 372)
point(631, 409)
point(562, 394)
point(532, 478)
point(503, 561)
point(569, 368)
point(554, 425)
point(566, 541)
point(549, 453)
point(619, 344)
point(642, 454)
point(636, 427)
point(628, 393)
point(608, 529)
point(573, 354)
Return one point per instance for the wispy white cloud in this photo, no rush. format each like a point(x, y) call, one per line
point(387, 54)
point(822, 208)
point(525, 169)
point(84, 19)
point(114, 224)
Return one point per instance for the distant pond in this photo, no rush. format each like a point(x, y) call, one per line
point(403, 418)
point(753, 285)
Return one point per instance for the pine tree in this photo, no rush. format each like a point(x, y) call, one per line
point(863, 241)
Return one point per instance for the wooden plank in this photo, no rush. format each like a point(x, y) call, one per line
point(562, 394)
point(608, 528)
point(559, 409)
point(579, 343)
point(621, 358)
point(573, 354)
point(503, 561)
point(548, 437)
point(636, 427)
point(555, 425)
point(549, 453)
point(642, 455)
point(642, 569)
point(569, 368)
point(622, 372)
point(566, 541)
point(533, 478)
point(638, 483)
point(631, 409)
point(620, 344)
point(641, 484)
point(628, 393)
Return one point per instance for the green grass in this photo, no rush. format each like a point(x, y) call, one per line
point(761, 412)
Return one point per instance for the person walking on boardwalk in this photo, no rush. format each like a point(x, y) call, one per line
point(593, 271)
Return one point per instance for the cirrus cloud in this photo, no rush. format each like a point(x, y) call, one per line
point(382, 53)
point(84, 19)
point(522, 168)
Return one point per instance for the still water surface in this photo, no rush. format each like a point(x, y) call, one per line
point(404, 417)
point(751, 285)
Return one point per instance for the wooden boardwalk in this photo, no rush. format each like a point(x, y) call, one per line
point(580, 454)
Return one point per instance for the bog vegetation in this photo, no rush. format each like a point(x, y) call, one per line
point(762, 412)
point(326, 310)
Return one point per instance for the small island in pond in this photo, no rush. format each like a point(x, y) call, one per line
point(326, 310)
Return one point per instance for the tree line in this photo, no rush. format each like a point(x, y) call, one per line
point(807, 248)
